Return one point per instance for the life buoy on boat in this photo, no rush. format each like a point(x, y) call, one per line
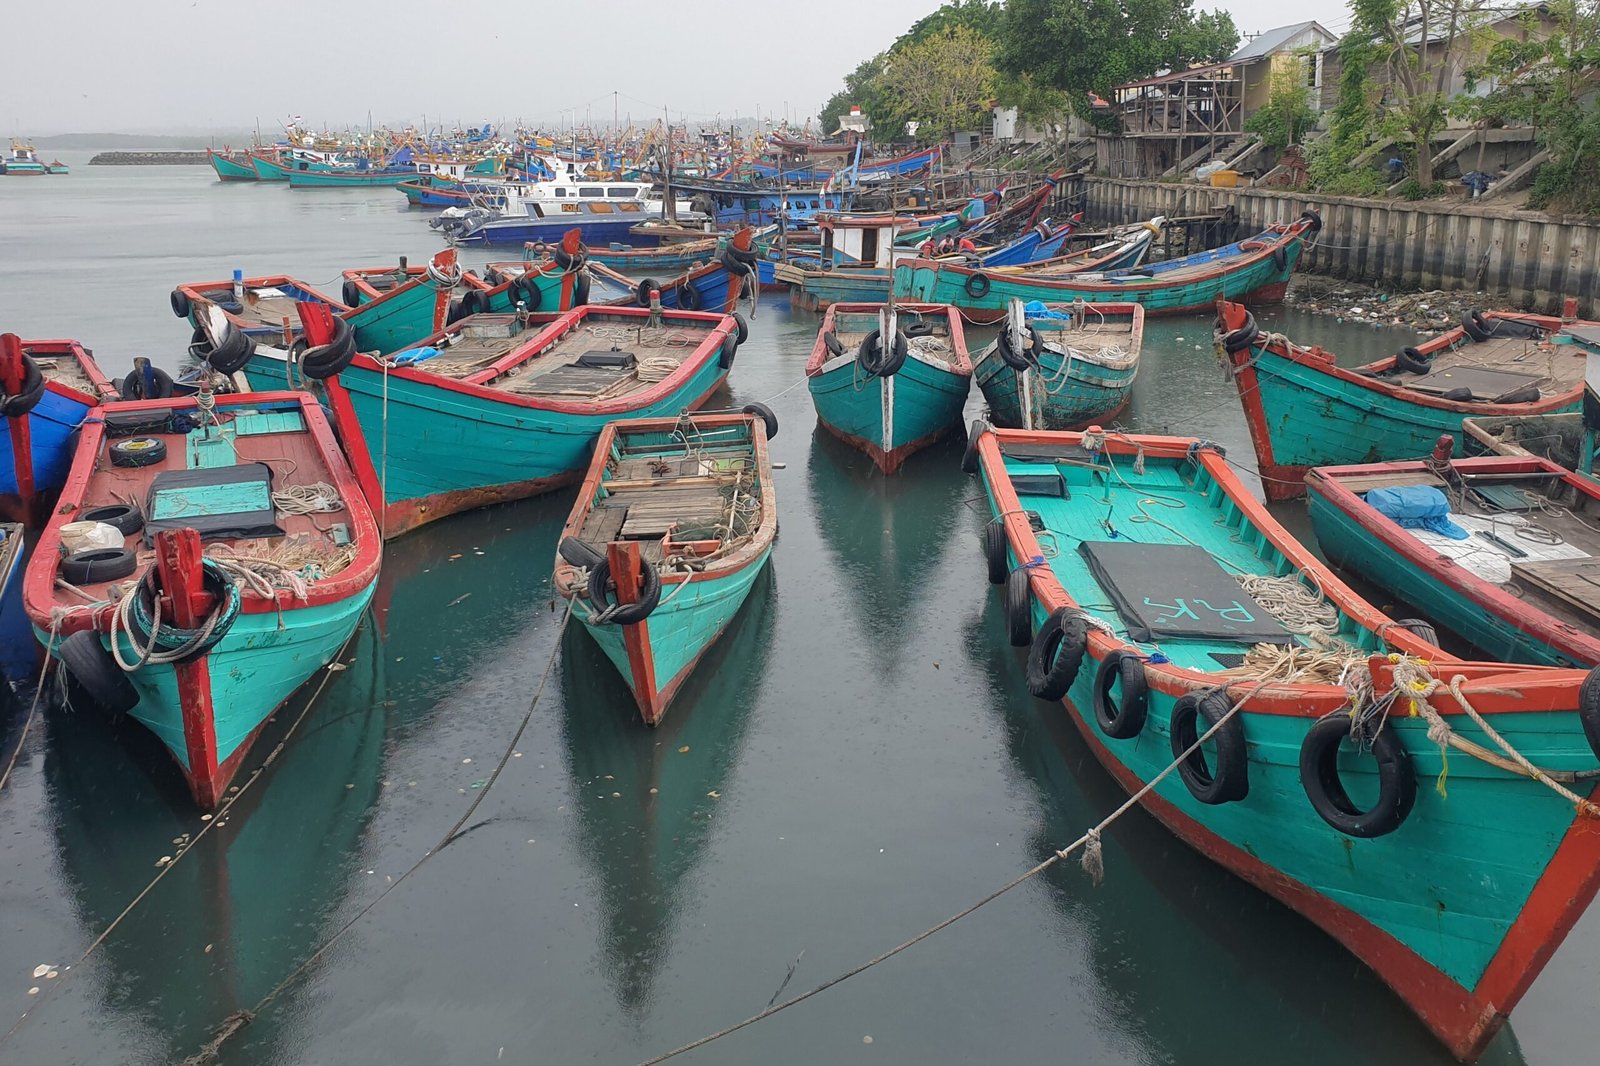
point(1125, 719)
point(1229, 780)
point(978, 285)
point(1056, 654)
point(881, 360)
point(31, 393)
point(1319, 776)
point(1020, 360)
point(1412, 361)
point(996, 551)
point(626, 614)
point(92, 671)
point(180, 303)
point(349, 293)
point(1019, 608)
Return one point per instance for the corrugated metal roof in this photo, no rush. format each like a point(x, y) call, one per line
point(1272, 41)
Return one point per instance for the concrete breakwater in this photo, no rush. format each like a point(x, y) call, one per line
point(148, 159)
point(1536, 259)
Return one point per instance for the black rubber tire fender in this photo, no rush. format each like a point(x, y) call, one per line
point(98, 564)
point(689, 298)
point(1229, 780)
point(830, 341)
point(743, 326)
point(93, 672)
point(133, 385)
point(629, 613)
point(996, 551)
point(1055, 655)
point(1412, 361)
point(1280, 259)
point(350, 293)
point(977, 285)
point(1019, 608)
point(180, 303)
point(1314, 218)
point(580, 552)
point(476, 301)
point(641, 293)
point(1319, 776)
point(1019, 360)
point(32, 390)
point(1238, 340)
point(1589, 709)
point(570, 262)
point(736, 266)
point(123, 517)
point(1458, 395)
point(1421, 627)
point(580, 289)
point(769, 419)
point(227, 357)
point(746, 258)
point(138, 451)
point(1472, 324)
point(879, 360)
point(1124, 720)
point(326, 360)
point(525, 290)
point(969, 458)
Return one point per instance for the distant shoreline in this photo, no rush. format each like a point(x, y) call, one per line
point(148, 159)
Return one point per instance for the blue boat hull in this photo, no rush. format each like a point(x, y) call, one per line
point(50, 426)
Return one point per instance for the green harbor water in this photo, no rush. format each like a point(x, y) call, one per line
point(857, 759)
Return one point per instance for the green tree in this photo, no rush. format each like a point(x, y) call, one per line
point(1546, 80)
point(1088, 46)
point(1286, 117)
point(944, 81)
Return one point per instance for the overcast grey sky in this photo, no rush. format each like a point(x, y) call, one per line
point(158, 65)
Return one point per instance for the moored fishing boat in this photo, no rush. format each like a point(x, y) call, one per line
point(242, 554)
point(890, 399)
point(1305, 410)
point(268, 166)
point(351, 178)
point(1061, 367)
point(231, 167)
point(678, 515)
point(500, 407)
point(1502, 550)
point(1257, 269)
point(49, 387)
point(1161, 603)
point(262, 308)
point(1561, 438)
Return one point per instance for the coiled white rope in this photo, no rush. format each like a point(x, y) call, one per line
point(308, 499)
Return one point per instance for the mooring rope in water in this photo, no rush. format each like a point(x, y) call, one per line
point(241, 1018)
point(216, 819)
point(1092, 860)
point(33, 708)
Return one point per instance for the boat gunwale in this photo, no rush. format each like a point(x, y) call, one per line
point(106, 390)
point(961, 362)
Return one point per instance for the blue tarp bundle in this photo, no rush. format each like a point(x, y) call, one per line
point(1417, 507)
point(1040, 309)
point(414, 355)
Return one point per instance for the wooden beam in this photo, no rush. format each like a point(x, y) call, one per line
point(1515, 179)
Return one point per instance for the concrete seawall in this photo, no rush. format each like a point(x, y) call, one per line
point(148, 159)
point(1536, 259)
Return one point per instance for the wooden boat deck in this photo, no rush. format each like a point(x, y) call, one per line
point(275, 436)
point(1105, 340)
point(63, 367)
point(1498, 367)
point(599, 358)
point(689, 499)
point(928, 336)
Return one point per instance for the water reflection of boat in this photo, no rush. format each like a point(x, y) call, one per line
point(1178, 951)
point(254, 898)
point(886, 535)
point(646, 797)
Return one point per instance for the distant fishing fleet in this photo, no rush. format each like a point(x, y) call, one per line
point(205, 543)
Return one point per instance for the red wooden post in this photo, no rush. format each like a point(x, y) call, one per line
point(1569, 309)
point(13, 372)
point(317, 320)
point(186, 602)
point(443, 261)
point(624, 558)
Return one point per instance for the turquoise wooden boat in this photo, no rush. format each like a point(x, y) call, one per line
point(673, 524)
point(1063, 367)
point(1305, 410)
point(1522, 585)
point(351, 178)
point(1561, 438)
point(895, 402)
point(231, 167)
point(1256, 269)
point(497, 407)
point(814, 289)
point(262, 481)
point(36, 447)
point(264, 308)
point(268, 168)
point(669, 258)
point(1134, 571)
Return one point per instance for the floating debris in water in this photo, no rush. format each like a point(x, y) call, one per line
point(34, 991)
point(41, 969)
point(163, 860)
point(683, 749)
